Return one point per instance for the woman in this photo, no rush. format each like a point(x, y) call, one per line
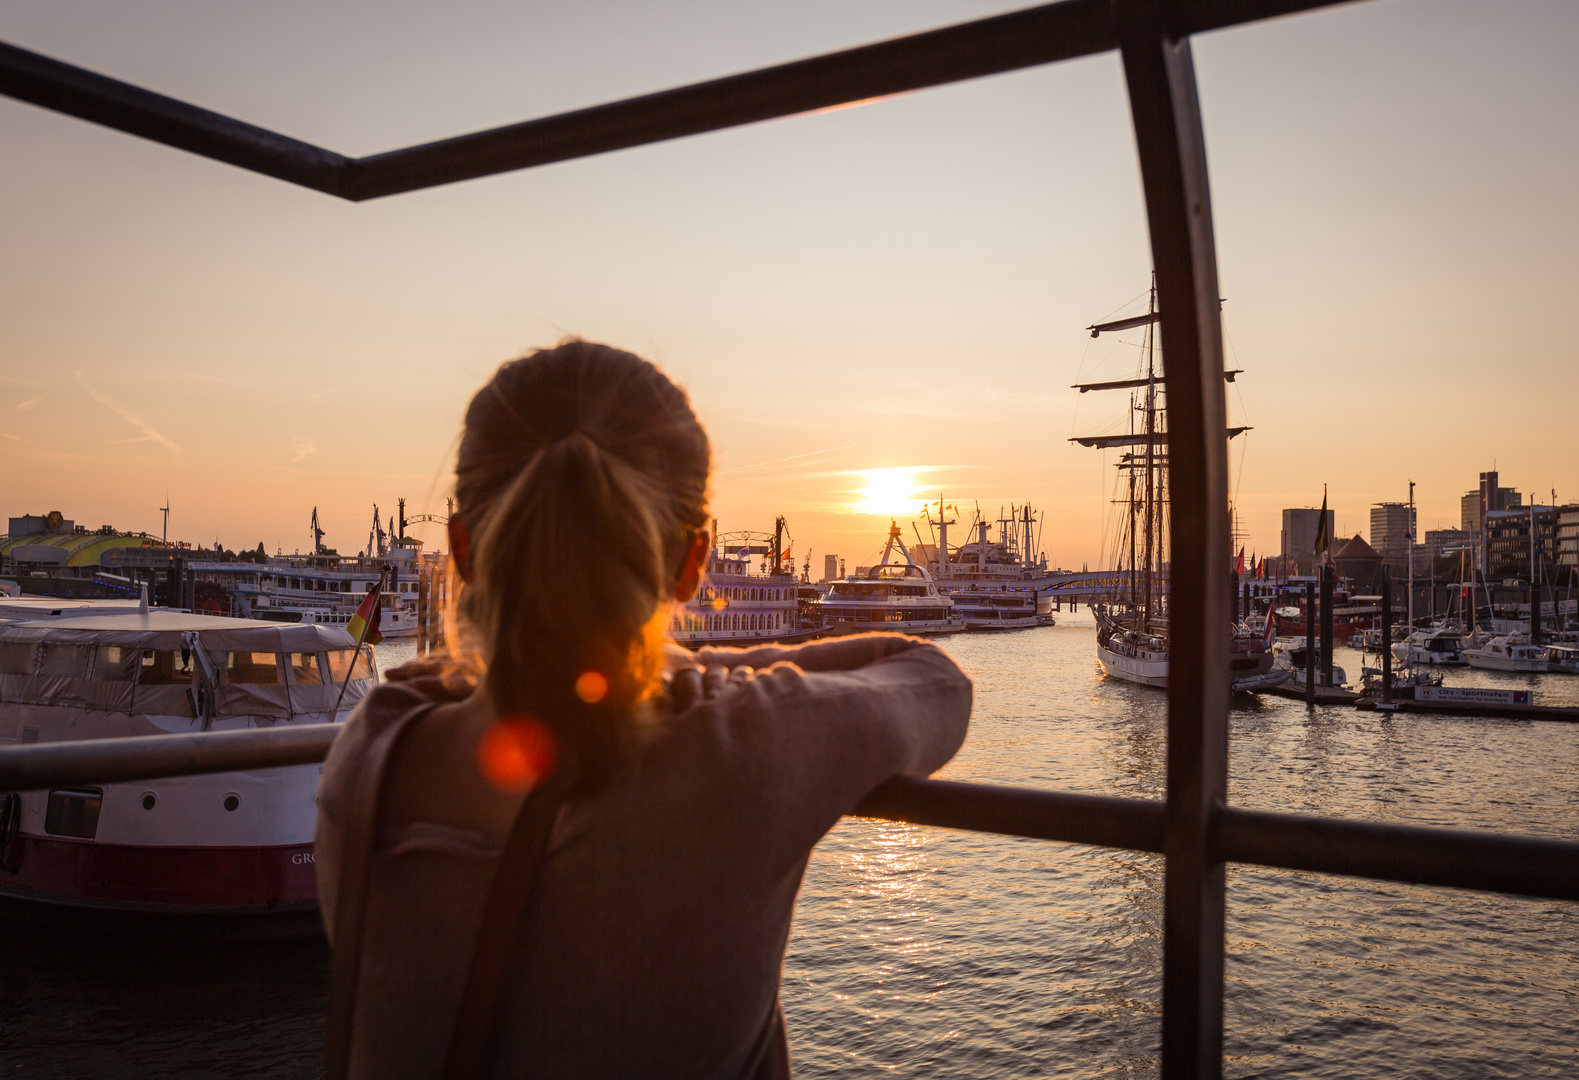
point(679, 796)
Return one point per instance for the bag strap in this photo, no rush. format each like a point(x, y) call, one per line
point(498, 939)
point(361, 834)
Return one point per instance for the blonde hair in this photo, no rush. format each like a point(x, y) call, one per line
point(582, 481)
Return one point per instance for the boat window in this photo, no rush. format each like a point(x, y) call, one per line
point(304, 669)
point(340, 664)
point(16, 659)
point(252, 669)
point(116, 663)
point(74, 812)
point(163, 667)
point(68, 660)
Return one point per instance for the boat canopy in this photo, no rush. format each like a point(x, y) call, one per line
point(164, 629)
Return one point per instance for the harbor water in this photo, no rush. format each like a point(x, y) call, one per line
point(934, 953)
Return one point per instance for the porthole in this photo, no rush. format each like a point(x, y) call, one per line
point(231, 802)
point(150, 800)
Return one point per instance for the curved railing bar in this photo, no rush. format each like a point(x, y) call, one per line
point(990, 46)
point(1165, 110)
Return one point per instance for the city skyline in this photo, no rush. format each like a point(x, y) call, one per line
point(902, 286)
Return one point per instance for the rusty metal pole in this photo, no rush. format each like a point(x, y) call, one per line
point(1160, 76)
point(1387, 638)
point(1310, 643)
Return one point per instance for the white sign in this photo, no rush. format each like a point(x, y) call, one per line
point(1474, 695)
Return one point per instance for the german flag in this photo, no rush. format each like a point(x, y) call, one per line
point(364, 624)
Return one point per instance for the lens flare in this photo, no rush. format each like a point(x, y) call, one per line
point(592, 687)
point(719, 603)
point(516, 753)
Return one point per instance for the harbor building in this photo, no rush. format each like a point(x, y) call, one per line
point(51, 555)
point(1567, 551)
point(1488, 498)
point(1440, 542)
point(1300, 527)
point(1392, 528)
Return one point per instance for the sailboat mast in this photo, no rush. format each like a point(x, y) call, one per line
point(1151, 438)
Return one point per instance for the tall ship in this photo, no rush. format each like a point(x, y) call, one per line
point(1133, 625)
point(225, 853)
point(748, 594)
point(892, 595)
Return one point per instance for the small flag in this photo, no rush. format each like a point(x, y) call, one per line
point(364, 624)
point(1270, 634)
point(1322, 539)
point(1239, 563)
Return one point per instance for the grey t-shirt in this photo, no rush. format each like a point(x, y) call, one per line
point(663, 904)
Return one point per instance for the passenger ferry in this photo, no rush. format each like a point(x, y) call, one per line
point(221, 854)
point(987, 609)
point(742, 602)
point(984, 563)
point(323, 588)
point(900, 597)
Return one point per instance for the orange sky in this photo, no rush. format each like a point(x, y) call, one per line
point(899, 285)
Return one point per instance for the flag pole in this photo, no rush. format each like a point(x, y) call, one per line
point(361, 638)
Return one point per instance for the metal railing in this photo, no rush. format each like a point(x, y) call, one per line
point(1194, 828)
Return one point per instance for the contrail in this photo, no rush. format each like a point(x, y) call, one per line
point(30, 402)
point(780, 461)
point(303, 447)
point(131, 416)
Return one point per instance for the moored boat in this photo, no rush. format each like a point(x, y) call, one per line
point(1434, 647)
point(740, 601)
point(224, 853)
point(894, 596)
point(1507, 653)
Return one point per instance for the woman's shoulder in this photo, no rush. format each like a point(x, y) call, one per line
point(419, 686)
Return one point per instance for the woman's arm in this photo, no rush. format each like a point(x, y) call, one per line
point(837, 654)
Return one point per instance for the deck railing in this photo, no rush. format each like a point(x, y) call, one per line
point(1194, 828)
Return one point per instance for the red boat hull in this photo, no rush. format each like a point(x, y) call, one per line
point(1342, 629)
point(57, 878)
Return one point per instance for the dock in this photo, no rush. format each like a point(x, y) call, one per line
point(1561, 713)
point(1325, 695)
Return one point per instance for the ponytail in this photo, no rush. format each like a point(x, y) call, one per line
point(582, 480)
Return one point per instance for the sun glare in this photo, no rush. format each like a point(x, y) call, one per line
point(889, 491)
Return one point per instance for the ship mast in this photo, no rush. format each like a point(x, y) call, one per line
point(1151, 442)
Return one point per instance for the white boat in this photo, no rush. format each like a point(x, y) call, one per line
point(1563, 657)
point(1435, 647)
point(985, 608)
point(894, 596)
point(1291, 658)
point(739, 602)
point(1507, 654)
point(227, 850)
point(323, 588)
point(1135, 656)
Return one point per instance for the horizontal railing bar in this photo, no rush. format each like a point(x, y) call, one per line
point(51, 84)
point(152, 757)
point(971, 50)
point(1492, 862)
point(1412, 854)
point(989, 46)
point(1134, 824)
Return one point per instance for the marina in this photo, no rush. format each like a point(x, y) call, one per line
point(887, 966)
point(1180, 839)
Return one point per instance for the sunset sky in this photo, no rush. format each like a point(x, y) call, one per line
point(901, 286)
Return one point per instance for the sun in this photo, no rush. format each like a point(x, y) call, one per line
point(889, 491)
